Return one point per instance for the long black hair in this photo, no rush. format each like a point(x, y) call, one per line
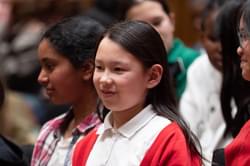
point(144, 42)
point(234, 87)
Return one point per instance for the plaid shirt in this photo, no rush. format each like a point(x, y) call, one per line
point(50, 134)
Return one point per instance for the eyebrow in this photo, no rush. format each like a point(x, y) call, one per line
point(46, 60)
point(114, 63)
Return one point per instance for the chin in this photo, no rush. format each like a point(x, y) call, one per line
point(113, 107)
point(246, 75)
point(57, 102)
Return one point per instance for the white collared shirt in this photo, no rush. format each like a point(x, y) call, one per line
point(128, 144)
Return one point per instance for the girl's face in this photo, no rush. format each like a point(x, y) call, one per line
point(153, 13)
point(244, 50)
point(211, 42)
point(119, 78)
point(63, 83)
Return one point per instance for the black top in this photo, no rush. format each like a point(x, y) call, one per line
point(10, 154)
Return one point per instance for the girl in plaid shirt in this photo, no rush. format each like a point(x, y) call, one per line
point(65, 53)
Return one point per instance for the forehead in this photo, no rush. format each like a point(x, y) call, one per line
point(210, 20)
point(146, 10)
point(109, 50)
point(46, 50)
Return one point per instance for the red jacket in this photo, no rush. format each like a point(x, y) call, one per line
point(169, 148)
point(237, 153)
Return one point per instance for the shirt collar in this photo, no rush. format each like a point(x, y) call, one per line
point(133, 125)
point(88, 123)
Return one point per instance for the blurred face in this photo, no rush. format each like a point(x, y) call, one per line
point(196, 9)
point(244, 50)
point(153, 13)
point(119, 78)
point(5, 14)
point(63, 83)
point(211, 42)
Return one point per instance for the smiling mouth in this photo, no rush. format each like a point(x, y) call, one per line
point(107, 94)
point(243, 63)
point(49, 91)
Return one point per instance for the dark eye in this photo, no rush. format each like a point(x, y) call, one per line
point(98, 67)
point(244, 35)
point(49, 66)
point(119, 70)
point(213, 38)
point(156, 22)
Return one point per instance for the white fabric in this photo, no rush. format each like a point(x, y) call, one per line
point(200, 104)
point(59, 155)
point(128, 144)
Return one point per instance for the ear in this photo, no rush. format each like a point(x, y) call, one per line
point(87, 70)
point(155, 75)
point(171, 16)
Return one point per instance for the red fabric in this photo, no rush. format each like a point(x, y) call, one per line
point(83, 149)
point(237, 153)
point(169, 148)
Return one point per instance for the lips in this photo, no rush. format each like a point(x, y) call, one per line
point(243, 63)
point(49, 91)
point(107, 93)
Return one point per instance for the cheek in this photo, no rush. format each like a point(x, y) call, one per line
point(95, 80)
point(66, 79)
point(246, 73)
point(134, 86)
point(167, 28)
point(166, 31)
point(247, 53)
point(209, 47)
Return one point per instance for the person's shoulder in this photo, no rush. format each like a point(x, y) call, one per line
point(55, 121)
point(51, 125)
point(83, 148)
point(11, 154)
point(172, 131)
point(238, 150)
point(199, 65)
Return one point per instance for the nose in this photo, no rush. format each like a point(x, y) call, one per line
point(105, 80)
point(239, 51)
point(42, 78)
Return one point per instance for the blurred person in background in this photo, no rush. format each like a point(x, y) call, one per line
point(196, 8)
point(10, 153)
point(17, 120)
point(200, 104)
point(158, 14)
point(103, 11)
